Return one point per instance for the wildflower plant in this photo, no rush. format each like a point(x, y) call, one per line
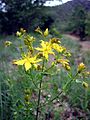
point(39, 62)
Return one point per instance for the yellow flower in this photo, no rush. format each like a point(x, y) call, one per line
point(38, 30)
point(18, 33)
point(7, 43)
point(27, 62)
point(58, 48)
point(46, 32)
point(39, 67)
point(22, 30)
point(65, 63)
point(27, 97)
point(67, 67)
point(86, 73)
point(67, 54)
point(46, 49)
point(81, 67)
point(85, 85)
point(55, 40)
point(28, 40)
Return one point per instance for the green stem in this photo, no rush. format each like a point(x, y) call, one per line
point(85, 106)
point(58, 95)
point(69, 82)
point(63, 90)
point(33, 81)
point(38, 100)
point(39, 94)
point(49, 68)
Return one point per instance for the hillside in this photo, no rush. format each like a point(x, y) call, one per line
point(62, 13)
point(57, 17)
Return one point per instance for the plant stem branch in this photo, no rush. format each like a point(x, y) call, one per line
point(58, 95)
point(39, 94)
point(63, 90)
point(69, 82)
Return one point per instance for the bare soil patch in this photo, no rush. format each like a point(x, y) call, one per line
point(85, 45)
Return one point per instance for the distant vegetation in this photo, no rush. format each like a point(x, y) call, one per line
point(72, 17)
point(64, 18)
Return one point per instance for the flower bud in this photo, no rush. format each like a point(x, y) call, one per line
point(39, 55)
point(27, 97)
point(85, 85)
point(39, 67)
point(55, 40)
point(67, 67)
point(7, 43)
point(18, 34)
point(27, 91)
point(46, 32)
point(22, 30)
point(81, 67)
point(38, 30)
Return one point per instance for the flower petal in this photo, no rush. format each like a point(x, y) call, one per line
point(27, 65)
point(40, 49)
point(19, 62)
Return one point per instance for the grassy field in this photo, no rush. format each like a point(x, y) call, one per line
point(13, 81)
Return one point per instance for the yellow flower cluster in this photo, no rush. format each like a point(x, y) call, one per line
point(45, 33)
point(86, 73)
point(21, 32)
point(49, 47)
point(35, 55)
point(65, 63)
point(81, 67)
point(45, 49)
point(7, 43)
point(82, 70)
point(28, 41)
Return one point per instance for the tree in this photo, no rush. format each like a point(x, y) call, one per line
point(78, 19)
point(19, 13)
point(88, 24)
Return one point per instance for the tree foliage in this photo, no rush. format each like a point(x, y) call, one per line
point(20, 13)
point(88, 24)
point(77, 23)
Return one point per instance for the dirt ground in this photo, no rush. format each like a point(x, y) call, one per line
point(85, 45)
